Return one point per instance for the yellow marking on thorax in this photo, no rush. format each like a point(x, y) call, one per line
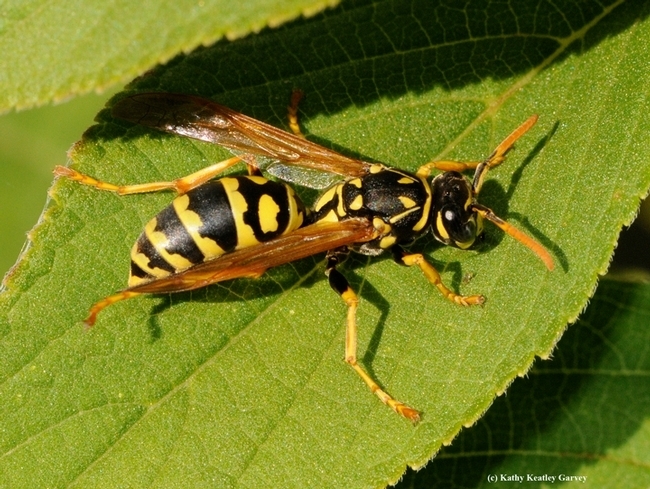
point(402, 215)
point(381, 226)
point(355, 182)
point(254, 178)
point(407, 202)
point(424, 220)
point(387, 241)
point(357, 203)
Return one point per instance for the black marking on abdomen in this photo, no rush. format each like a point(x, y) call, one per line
point(146, 248)
point(138, 272)
point(180, 242)
point(254, 192)
point(210, 202)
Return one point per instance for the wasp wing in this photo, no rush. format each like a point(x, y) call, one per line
point(253, 261)
point(202, 119)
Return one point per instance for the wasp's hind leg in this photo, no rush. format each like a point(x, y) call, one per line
point(341, 286)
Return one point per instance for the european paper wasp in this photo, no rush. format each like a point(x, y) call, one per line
point(234, 227)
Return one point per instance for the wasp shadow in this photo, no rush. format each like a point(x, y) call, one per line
point(272, 284)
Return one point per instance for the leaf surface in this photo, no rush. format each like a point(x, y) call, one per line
point(584, 414)
point(54, 49)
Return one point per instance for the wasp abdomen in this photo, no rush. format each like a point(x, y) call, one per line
point(217, 217)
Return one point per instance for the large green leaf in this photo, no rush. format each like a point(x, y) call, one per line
point(243, 383)
point(585, 414)
point(54, 49)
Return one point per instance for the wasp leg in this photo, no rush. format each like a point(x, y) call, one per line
point(341, 286)
point(180, 185)
point(432, 275)
point(107, 301)
point(296, 97)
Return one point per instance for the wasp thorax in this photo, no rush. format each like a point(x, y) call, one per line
point(399, 199)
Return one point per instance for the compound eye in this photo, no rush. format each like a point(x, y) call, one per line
point(460, 226)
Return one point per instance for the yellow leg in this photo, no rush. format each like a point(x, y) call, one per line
point(111, 299)
point(296, 96)
point(180, 185)
point(339, 283)
point(499, 153)
point(433, 276)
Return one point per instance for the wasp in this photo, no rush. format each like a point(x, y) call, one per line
point(240, 226)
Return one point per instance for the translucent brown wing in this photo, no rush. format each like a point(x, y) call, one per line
point(252, 262)
point(209, 121)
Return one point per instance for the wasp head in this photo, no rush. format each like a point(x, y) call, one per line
point(454, 220)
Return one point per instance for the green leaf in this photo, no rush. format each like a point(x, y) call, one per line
point(585, 414)
point(31, 143)
point(54, 49)
point(243, 383)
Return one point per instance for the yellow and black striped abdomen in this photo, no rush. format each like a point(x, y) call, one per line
point(217, 217)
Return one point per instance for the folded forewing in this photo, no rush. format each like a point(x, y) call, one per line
point(253, 261)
